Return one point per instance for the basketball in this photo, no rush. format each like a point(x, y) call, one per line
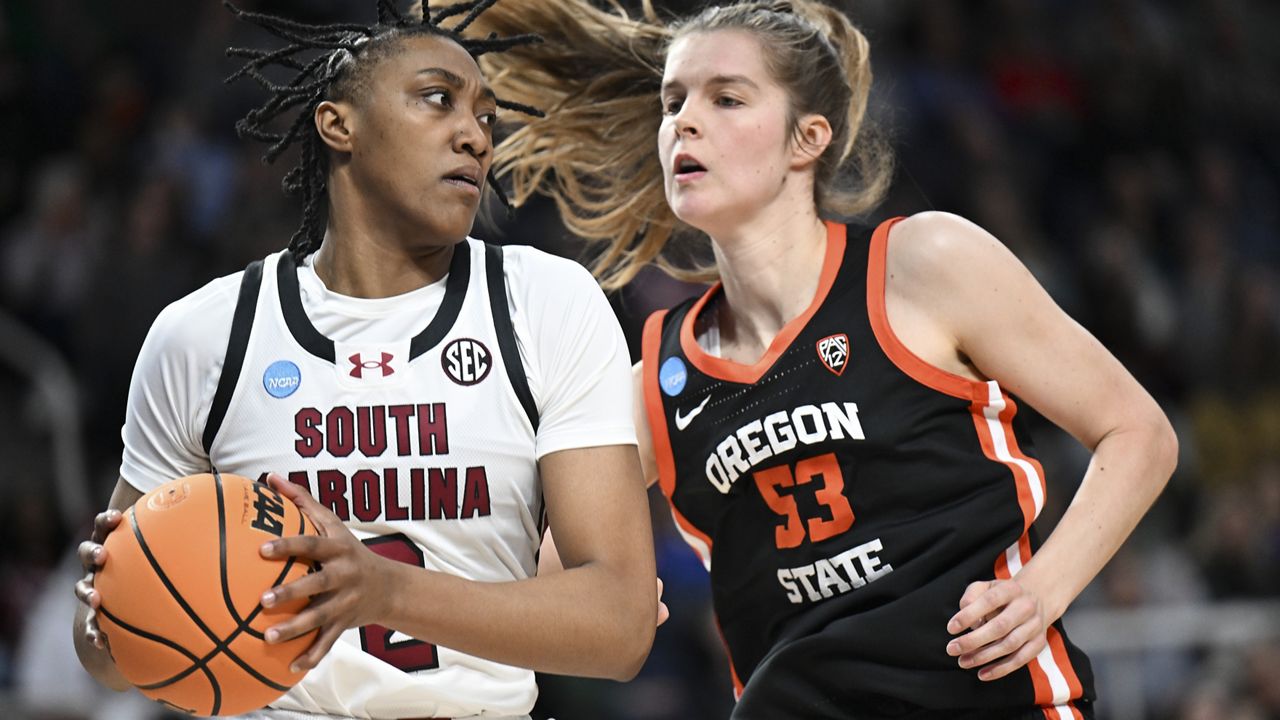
point(181, 588)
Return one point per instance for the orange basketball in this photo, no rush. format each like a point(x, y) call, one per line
point(180, 592)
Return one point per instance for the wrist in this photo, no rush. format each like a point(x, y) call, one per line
point(1053, 601)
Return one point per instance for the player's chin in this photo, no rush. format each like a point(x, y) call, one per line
point(450, 221)
point(697, 213)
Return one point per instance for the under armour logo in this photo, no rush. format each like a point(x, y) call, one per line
point(359, 365)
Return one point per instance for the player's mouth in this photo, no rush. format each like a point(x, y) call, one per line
point(686, 168)
point(465, 178)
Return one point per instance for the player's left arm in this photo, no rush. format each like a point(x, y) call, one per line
point(1009, 329)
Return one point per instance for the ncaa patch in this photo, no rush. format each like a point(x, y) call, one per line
point(672, 376)
point(281, 379)
point(466, 361)
point(833, 350)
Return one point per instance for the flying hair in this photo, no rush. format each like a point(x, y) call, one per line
point(346, 53)
point(599, 79)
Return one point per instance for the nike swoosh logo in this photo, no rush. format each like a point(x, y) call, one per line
point(682, 421)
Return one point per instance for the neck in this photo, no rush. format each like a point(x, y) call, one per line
point(770, 268)
point(374, 253)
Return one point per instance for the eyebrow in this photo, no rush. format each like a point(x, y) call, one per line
point(456, 80)
point(715, 81)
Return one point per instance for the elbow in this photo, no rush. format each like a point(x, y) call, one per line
point(1168, 447)
point(1163, 449)
point(632, 644)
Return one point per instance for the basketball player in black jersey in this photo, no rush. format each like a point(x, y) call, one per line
point(395, 127)
point(834, 422)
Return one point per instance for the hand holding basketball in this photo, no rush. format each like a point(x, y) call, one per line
point(92, 557)
point(350, 589)
point(175, 587)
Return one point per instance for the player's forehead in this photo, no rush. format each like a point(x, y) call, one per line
point(701, 57)
point(435, 58)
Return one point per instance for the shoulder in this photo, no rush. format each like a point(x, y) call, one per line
point(197, 325)
point(537, 267)
point(937, 252)
point(936, 240)
point(539, 279)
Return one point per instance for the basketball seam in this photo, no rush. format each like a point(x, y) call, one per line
point(196, 663)
point(219, 645)
point(243, 624)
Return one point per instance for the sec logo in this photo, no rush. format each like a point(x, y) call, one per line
point(466, 361)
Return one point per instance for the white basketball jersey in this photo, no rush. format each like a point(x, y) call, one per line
point(424, 446)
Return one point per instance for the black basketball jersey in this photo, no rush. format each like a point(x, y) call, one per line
point(845, 493)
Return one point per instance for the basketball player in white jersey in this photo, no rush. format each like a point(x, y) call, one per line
point(428, 401)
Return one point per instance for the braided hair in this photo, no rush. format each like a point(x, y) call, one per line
point(347, 52)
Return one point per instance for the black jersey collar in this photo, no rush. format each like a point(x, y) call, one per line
point(316, 343)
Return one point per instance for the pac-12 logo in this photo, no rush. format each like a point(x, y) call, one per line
point(466, 361)
point(360, 364)
point(281, 379)
point(834, 352)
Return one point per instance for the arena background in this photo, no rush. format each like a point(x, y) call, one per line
point(1127, 151)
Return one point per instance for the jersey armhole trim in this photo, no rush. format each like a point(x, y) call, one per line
point(898, 353)
point(650, 349)
point(501, 311)
point(237, 344)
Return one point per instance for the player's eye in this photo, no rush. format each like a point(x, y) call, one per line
point(672, 105)
point(438, 97)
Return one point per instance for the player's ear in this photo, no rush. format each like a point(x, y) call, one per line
point(812, 136)
point(334, 122)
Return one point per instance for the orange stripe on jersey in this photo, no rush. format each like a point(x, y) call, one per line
point(650, 346)
point(987, 428)
point(1006, 421)
point(1059, 647)
point(1040, 681)
point(907, 361)
point(723, 369)
point(662, 452)
point(987, 424)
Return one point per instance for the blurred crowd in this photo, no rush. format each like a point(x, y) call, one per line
point(1128, 151)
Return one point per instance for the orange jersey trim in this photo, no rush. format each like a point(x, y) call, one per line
point(907, 361)
point(651, 345)
point(723, 369)
point(995, 433)
point(650, 348)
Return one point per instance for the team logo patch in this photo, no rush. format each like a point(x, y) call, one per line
point(833, 350)
point(361, 364)
point(281, 379)
point(672, 376)
point(466, 361)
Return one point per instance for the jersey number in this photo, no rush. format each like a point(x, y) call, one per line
point(407, 655)
point(793, 530)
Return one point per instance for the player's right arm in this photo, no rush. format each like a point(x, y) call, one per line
point(91, 643)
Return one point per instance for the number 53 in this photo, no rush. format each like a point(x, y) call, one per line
point(792, 532)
